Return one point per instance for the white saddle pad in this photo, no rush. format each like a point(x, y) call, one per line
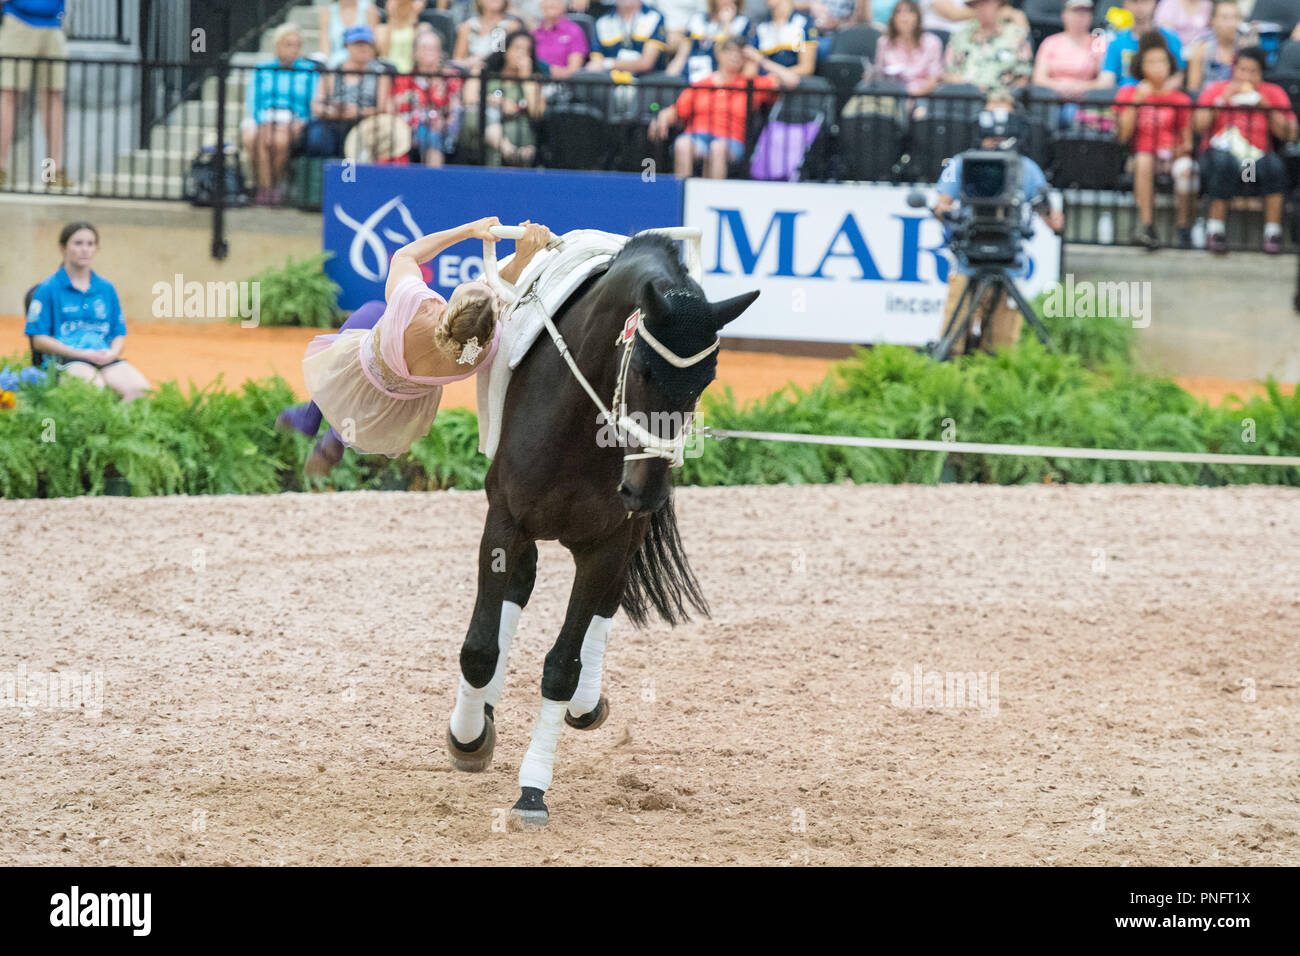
point(548, 282)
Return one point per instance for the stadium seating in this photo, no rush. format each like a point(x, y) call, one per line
point(867, 130)
point(592, 87)
point(1041, 111)
point(656, 91)
point(871, 132)
point(1085, 157)
point(942, 129)
point(1288, 58)
point(1285, 13)
point(588, 25)
point(575, 136)
point(1044, 18)
point(1100, 9)
point(858, 40)
point(844, 71)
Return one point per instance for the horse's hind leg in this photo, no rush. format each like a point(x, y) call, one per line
point(471, 735)
point(572, 674)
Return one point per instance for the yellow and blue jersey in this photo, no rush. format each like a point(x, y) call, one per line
point(702, 33)
point(620, 41)
point(783, 44)
point(82, 320)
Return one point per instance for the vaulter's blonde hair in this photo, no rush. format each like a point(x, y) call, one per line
point(472, 314)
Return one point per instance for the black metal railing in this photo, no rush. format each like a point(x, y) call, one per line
point(123, 139)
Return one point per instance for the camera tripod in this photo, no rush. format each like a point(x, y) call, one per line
point(982, 296)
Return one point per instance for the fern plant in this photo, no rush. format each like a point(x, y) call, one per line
point(299, 293)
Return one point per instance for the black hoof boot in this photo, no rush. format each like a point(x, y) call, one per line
point(592, 720)
point(475, 757)
point(529, 810)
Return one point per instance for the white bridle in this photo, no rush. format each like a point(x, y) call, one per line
point(672, 449)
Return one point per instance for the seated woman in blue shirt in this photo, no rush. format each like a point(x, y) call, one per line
point(278, 109)
point(75, 316)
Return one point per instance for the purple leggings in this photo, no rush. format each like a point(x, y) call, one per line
point(307, 418)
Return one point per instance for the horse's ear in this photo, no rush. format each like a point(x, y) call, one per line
point(656, 303)
point(729, 309)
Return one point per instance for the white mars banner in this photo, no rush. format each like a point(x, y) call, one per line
point(836, 263)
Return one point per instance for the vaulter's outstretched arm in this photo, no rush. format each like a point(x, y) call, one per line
point(535, 238)
point(407, 260)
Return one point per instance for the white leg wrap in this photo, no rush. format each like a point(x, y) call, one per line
point(535, 769)
point(587, 695)
point(467, 719)
point(510, 612)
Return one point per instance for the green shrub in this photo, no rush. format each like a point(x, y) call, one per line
point(1098, 341)
point(299, 293)
point(75, 439)
point(1023, 395)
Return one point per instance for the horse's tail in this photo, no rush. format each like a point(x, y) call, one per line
point(659, 575)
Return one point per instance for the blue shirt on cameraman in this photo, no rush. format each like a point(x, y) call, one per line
point(1032, 182)
point(46, 14)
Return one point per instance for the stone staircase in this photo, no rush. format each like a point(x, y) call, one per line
point(159, 171)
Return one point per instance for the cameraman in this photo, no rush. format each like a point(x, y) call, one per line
point(999, 128)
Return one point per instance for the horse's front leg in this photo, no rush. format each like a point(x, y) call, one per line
point(523, 575)
point(571, 676)
point(507, 570)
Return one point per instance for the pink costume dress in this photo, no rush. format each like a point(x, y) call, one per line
point(360, 381)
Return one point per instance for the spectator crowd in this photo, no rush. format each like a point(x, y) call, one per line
point(1180, 82)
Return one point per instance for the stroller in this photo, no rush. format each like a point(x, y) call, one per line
point(796, 123)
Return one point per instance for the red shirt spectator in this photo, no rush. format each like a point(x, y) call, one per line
point(1253, 124)
point(715, 105)
point(716, 109)
point(1158, 131)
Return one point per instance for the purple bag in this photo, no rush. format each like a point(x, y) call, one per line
point(781, 148)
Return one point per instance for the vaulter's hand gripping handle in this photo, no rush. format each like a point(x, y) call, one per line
point(503, 288)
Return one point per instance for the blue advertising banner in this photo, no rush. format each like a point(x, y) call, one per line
point(374, 210)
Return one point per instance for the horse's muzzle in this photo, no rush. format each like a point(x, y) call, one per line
point(636, 503)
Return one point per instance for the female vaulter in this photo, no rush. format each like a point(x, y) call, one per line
point(378, 380)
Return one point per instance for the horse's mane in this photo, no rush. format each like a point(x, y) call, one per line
point(653, 244)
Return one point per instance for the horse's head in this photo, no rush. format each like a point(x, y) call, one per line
point(670, 367)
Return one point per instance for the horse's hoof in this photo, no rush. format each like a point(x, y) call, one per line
point(592, 720)
point(475, 757)
point(529, 810)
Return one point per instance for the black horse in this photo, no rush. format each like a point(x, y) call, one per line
point(558, 476)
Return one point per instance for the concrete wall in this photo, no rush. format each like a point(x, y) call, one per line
point(1229, 317)
point(142, 243)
